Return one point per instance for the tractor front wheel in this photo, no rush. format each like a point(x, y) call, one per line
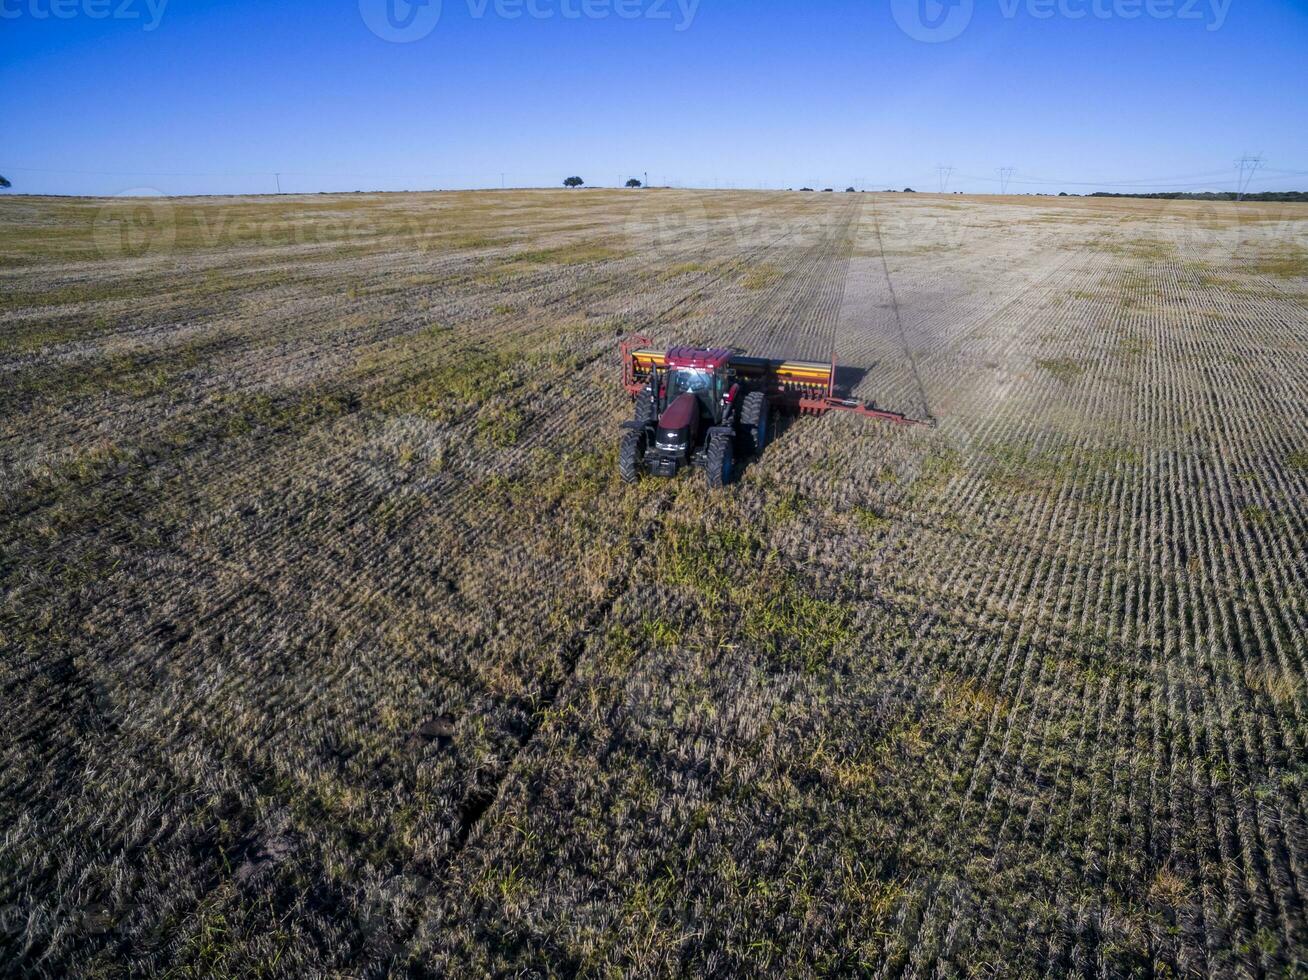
point(631, 455)
point(721, 462)
point(754, 418)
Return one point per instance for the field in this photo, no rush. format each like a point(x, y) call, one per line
point(332, 643)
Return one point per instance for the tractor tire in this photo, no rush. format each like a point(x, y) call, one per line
point(721, 461)
point(645, 409)
point(631, 456)
point(755, 418)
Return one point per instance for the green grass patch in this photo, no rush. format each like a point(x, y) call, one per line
point(747, 592)
point(467, 243)
point(708, 562)
point(869, 520)
point(796, 630)
point(785, 505)
point(1017, 467)
point(761, 277)
point(661, 633)
point(1149, 249)
point(450, 387)
point(1288, 263)
point(244, 413)
point(939, 467)
point(1065, 369)
point(577, 254)
point(501, 426)
point(1132, 349)
point(681, 269)
point(135, 374)
point(45, 333)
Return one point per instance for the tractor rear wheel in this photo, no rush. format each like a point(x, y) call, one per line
point(645, 410)
point(721, 460)
point(754, 419)
point(631, 455)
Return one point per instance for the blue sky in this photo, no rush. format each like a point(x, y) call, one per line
point(186, 96)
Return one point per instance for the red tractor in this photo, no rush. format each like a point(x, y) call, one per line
point(711, 407)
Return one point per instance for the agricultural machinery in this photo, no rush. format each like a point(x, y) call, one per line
point(709, 407)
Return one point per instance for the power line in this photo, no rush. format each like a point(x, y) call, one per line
point(1151, 182)
point(944, 174)
point(1005, 175)
point(1250, 165)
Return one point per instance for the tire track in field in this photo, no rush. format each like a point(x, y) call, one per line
point(899, 320)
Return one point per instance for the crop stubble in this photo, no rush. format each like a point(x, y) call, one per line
point(298, 477)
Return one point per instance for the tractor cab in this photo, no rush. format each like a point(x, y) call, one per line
point(705, 374)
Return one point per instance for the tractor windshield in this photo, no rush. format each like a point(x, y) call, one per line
point(693, 380)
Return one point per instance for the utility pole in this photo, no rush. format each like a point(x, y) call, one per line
point(502, 182)
point(279, 182)
point(1249, 165)
point(1005, 175)
point(944, 173)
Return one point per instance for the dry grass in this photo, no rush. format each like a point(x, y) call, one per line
point(332, 644)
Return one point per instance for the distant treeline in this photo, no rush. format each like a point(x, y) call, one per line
point(1301, 196)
